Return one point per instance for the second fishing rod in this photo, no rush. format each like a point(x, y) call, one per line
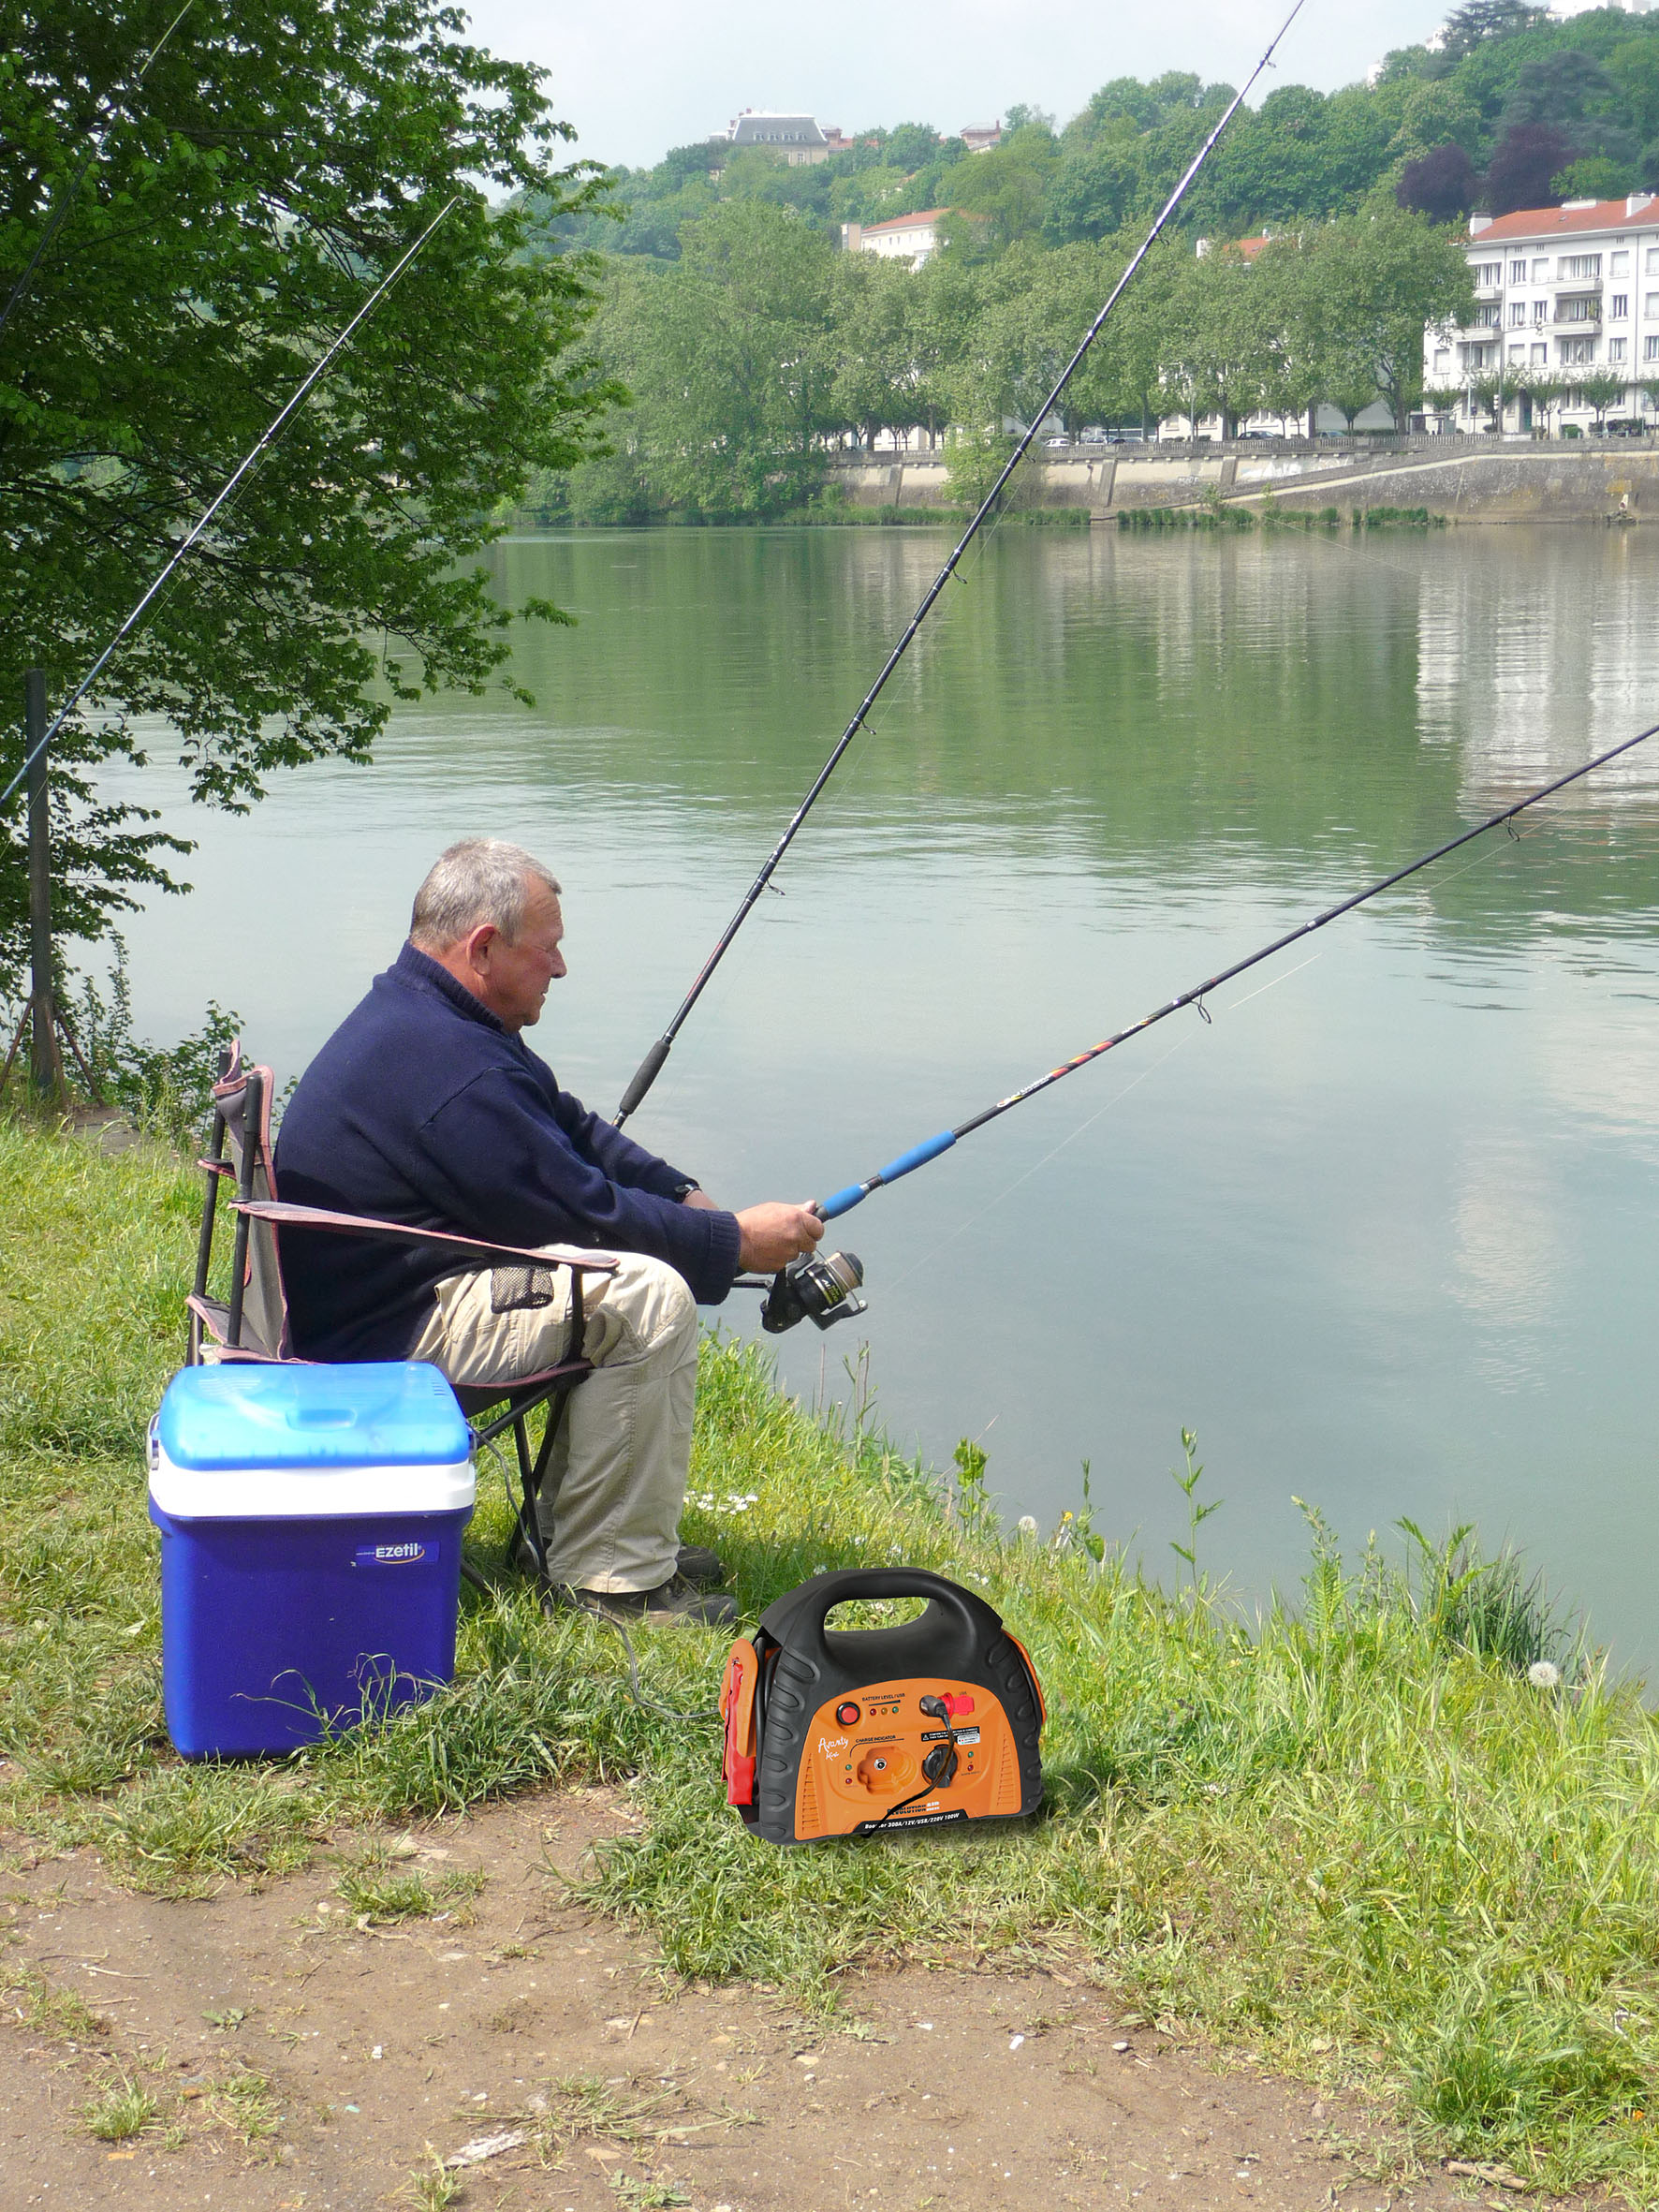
point(651, 1067)
point(825, 1289)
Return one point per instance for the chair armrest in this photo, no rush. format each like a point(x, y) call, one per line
point(464, 1248)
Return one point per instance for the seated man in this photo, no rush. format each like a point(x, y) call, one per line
point(426, 1107)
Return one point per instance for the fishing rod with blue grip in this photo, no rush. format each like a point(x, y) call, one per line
point(853, 1194)
point(824, 1289)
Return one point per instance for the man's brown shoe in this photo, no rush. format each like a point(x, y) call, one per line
point(695, 1563)
point(672, 1600)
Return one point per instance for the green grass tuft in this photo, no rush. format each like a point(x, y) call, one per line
point(1401, 1834)
point(120, 2112)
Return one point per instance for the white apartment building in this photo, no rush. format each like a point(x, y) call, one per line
point(1558, 289)
point(906, 238)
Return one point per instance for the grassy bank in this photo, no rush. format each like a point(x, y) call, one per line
point(1356, 1840)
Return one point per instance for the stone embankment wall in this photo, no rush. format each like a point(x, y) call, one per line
point(1469, 479)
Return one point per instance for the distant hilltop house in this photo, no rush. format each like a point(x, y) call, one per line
point(1246, 248)
point(801, 141)
point(797, 138)
point(1557, 290)
point(906, 238)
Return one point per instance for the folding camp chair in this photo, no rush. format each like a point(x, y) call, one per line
point(252, 1325)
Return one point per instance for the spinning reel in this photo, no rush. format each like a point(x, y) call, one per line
point(820, 1290)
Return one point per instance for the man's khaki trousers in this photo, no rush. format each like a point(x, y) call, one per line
point(616, 1481)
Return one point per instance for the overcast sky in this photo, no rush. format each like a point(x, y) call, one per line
point(660, 73)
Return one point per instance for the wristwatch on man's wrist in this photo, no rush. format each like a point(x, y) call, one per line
point(683, 1190)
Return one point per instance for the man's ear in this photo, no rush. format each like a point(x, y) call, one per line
point(478, 942)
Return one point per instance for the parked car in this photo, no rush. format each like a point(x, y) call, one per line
point(1057, 445)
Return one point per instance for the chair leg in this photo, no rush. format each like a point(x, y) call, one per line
point(470, 1574)
point(533, 1478)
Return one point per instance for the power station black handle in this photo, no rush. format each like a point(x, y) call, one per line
point(801, 1617)
point(644, 1076)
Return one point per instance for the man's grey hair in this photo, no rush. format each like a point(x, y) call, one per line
point(478, 880)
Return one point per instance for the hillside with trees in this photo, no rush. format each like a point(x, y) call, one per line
point(1510, 109)
point(753, 348)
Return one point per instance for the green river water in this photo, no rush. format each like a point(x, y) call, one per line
point(1386, 1233)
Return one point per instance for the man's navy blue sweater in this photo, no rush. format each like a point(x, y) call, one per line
point(422, 1108)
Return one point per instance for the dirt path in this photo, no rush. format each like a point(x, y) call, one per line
point(301, 2063)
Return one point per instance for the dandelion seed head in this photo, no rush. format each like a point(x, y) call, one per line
point(1544, 1675)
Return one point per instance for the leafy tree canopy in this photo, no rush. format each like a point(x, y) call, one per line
point(243, 202)
point(1480, 20)
point(1440, 185)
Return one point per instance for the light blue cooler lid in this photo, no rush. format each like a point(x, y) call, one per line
point(237, 1443)
point(395, 1414)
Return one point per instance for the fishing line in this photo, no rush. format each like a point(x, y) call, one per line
point(1025, 1174)
point(1481, 857)
point(649, 1068)
point(1084, 1127)
point(267, 439)
point(58, 215)
point(852, 1194)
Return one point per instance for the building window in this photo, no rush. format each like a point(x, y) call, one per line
point(1541, 310)
point(1578, 349)
point(1442, 358)
point(1651, 349)
point(1517, 353)
point(1651, 308)
point(1517, 272)
point(1621, 306)
point(1516, 314)
point(1540, 356)
point(1653, 260)
point(1540, 272)
point(1486, 318)
point(1618, 264)
point(1616, 349)
point(1572, 265)
point(1489, 273)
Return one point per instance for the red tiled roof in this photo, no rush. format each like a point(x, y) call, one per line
point(927, 215)
point(1549, 222)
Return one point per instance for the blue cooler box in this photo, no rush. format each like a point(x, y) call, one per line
point(310, 1522)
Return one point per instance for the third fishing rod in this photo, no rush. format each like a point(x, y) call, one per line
point(651, 1067)
point(852, 1194)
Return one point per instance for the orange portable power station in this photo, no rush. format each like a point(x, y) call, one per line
point(863, 1732)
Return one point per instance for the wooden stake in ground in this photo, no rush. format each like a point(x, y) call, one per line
point(48, 1064)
